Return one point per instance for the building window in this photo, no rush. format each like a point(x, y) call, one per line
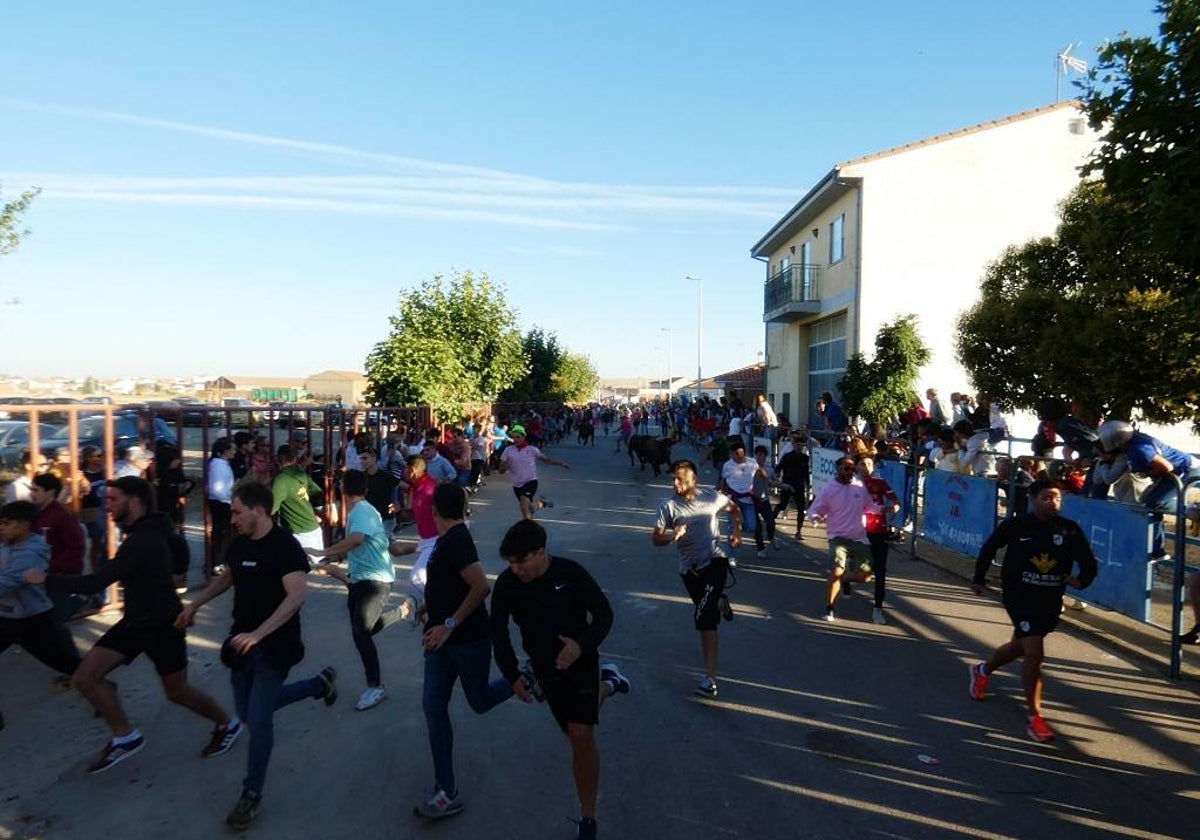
point(837, 239)
point(1075, 126)
point(826, 362)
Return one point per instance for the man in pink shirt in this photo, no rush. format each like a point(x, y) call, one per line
point(521, 459)
point(842, 504)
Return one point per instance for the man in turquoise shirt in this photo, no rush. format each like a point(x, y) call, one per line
point(369, 576)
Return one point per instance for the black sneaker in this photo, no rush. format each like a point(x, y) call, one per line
point(1191, 637)
point(723, 606)
point(531, 682)
point(328, 678)
point(610, 673)
point(222, 739)
point(244, 811)
point(587, 829)
point(115, 753)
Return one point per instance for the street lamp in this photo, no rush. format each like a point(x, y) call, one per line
point(667, 330)
point(699, 332)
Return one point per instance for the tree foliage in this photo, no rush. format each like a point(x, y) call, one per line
point(1143, 95)
point(1088, 314)
point(453, 341)
point(542, 353)
point(10, 220)
point(881, 389)
point(575, 379)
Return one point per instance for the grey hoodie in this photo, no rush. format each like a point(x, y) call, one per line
point(19, 599)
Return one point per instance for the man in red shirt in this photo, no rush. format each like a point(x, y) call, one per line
point(63, 534)
point(881, 493)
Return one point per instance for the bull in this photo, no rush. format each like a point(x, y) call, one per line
point(650, 450)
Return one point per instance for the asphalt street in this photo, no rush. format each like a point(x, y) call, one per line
point(843, 730)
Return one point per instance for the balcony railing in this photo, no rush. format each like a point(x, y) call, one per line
point(796, 284)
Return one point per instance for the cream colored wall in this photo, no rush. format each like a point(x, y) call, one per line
point(934, 217)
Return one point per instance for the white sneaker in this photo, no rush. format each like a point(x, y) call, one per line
point(371, 698)
point(878, 617)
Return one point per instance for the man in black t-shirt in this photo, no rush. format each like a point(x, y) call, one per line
point(1040, 552)
point(456, 641)
point(266, 568)
point(381, 485)
point(564, 617)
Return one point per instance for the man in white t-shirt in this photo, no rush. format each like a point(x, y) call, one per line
point(521, 459)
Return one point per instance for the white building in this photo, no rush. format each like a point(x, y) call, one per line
point(908, 230)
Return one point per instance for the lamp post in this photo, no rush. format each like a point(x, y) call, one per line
point(699, 332)
point(667, 388)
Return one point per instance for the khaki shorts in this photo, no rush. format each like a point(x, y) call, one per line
point(850, 554)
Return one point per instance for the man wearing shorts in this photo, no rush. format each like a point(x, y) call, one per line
point(689, 520)
point(522, 459)
point(842, 504)
point(564, 617)
point(1040, 552)
point(143, 566)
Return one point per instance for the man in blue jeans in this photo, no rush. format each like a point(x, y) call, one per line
point(267, 569)
point(457, 645)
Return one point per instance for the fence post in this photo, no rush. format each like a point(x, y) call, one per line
point(1177, 581)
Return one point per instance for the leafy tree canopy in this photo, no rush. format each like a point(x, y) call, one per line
point(543, 354)
point(575, 379)
point(10, 220)
point(453, 341)
point(882, 389)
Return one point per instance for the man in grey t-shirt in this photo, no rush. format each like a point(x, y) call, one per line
point(689, 520)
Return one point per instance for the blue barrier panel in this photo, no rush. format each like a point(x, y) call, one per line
point(896, 474)
point(823, 463)
point(960, 510)
point(1120, 536)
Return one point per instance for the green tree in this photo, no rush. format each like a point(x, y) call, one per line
point(542, 353)
point(89, 385)
point(575, 379)
point(882, 389)
point(1143, 95)
point(10, 220)
point(453, 341)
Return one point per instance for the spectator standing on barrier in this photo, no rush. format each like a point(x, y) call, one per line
point(843, 504)
point(794, 471)
point(689, 521)
point(268, 572)
point(294, 496)
point(937, 409)
point(835, 418)
point(885, 498)
point(1166, 467)
point(1041, 550)
point(767, 418)
point(220, 483)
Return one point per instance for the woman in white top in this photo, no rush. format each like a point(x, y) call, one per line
point(219, 493)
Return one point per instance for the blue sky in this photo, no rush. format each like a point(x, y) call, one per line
point(235, 187)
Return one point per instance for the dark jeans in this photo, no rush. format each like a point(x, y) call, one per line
point(43, 638)
point(258, 690)
point(468, 663)
point(367, 617)
point(799, 497)
point(879, 555)
point(766, 521)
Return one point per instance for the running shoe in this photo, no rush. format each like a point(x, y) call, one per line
point(531, 682)
point(244, 811)
point(1038, 730)
point(828, 616)
point(610, 673)
point(706, 688)
point(328, 678)
point(115, 753)
point(222, 739)
point(979, 682)
point(723, 606)
point(587, 829)
point(372, 697)
point(1191, 637)
point(878, 617)
point(439, 805)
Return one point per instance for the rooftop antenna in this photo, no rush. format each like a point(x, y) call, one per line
point(1064, 64)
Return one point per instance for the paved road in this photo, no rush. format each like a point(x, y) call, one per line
point(816, 733)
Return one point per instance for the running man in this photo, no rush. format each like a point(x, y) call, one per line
point(689, 520)
point(267, 570)
point(564, 617)
point(877, 529)
point(522, 459)
point(369, 577)
point(842, 504)
point(149, 625)
point(1040, 552)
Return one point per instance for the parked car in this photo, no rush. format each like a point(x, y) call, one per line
point(14, 439)
point(125, 433)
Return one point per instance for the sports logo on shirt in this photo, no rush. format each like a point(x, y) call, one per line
point(1042, 562)
point(1058, 539)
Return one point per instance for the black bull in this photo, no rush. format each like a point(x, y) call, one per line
point(650, 450)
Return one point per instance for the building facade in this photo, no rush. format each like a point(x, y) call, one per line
point(908, 230)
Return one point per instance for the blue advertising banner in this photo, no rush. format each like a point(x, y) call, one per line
point(823, 464)
point(896, 474)
point(960, 510)
point(1121, 540)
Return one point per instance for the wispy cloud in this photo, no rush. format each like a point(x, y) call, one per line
point(405, 186)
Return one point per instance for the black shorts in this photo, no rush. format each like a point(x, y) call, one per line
point(164, 645)
point(1032, 617)
point(706, 586)
point(573, 695)
point(528, 490)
